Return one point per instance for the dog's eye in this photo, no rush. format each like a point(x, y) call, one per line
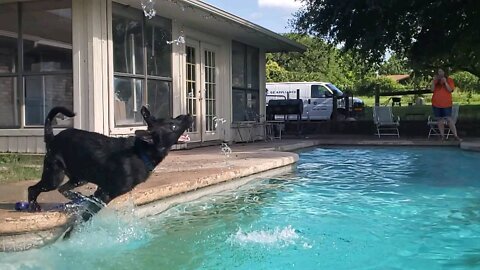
point(174, 126)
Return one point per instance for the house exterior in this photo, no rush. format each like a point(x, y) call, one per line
point(104, 59)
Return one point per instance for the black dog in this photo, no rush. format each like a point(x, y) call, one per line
point(115, 165)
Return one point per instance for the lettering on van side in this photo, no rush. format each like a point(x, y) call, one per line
point(282, 91)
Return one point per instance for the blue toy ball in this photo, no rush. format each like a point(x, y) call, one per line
point(19, 206)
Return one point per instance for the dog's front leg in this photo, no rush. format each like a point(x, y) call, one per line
point(102, 195)
point(66, 189)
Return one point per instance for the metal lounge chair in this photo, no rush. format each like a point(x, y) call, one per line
point(386, 123)
point(432, 123)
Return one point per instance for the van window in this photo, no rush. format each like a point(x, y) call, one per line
point(319, 91)
point(334, 89)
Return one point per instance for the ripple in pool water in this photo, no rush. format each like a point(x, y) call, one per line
point(343, 208)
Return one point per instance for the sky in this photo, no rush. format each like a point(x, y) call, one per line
point(271, 14)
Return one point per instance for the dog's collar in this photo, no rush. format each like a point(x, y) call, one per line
point(139, 149)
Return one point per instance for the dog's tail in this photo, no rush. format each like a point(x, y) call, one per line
point(48, 121)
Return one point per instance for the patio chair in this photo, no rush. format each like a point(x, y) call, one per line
point(432, 123)
point(386, 123)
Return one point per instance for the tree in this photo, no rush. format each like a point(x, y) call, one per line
point(276, 73)
point(467, 82)
point(430, 33)
point(321, 62)
point(394, 65)
point(368, 85)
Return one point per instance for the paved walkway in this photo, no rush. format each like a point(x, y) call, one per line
point(182, 171)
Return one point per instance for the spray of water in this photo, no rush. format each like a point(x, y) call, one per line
point(178, 41)
point(148, 7)
point(218, 120)
point(109, 231)
point(226, 150)
point(279, 237)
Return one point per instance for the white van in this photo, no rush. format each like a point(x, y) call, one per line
point(317, 98)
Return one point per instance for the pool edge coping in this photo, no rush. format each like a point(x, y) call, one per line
point(46, 236)
point(21, 240)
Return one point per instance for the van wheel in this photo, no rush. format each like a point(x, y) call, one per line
point(341, 115)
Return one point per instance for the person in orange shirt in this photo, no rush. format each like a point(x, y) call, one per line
point(442, 88)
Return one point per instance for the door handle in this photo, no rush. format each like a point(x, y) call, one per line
point(309, 101)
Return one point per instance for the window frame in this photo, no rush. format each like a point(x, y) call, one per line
point(132, 12)
point(245, 89)
point(20, 74)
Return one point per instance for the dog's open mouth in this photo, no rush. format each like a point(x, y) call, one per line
point(184, 139)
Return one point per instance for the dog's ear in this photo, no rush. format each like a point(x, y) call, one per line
point(145, 136)
point(147, 116)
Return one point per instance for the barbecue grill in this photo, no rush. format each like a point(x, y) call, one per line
point(284, 107)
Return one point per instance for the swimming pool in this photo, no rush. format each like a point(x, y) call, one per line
point(343, 208)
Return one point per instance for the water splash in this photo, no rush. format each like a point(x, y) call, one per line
point(178, 41)
point(148, 7)
point(81, 207)
point(277, 237)
point(109, 232)
point(226, 150)
point(218, 120)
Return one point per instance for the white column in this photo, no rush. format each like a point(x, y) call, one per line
point(263, 81)
point(90, 59)
point(178, 72)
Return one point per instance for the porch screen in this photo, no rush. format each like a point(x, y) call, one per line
point(35, 62)
point(142, 65)
point(245, 82)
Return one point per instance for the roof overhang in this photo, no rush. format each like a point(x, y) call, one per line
point(206, 18)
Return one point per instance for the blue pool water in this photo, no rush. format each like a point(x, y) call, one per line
point(343, 208)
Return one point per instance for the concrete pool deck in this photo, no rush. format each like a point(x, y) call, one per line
point(202, 170)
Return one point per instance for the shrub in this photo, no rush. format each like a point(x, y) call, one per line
point(367, 86)
point(466, 81)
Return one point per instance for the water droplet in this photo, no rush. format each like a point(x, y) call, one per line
point(148, 7)
point(178, 41)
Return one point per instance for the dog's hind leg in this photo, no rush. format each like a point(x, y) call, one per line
point(52, 176)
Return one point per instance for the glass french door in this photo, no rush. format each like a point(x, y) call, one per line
point(202, 90)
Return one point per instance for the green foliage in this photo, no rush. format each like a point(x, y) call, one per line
point(394, 65)
point(430, 33)
point(368, 86)
point(321, 62)
point(466, 82)
point(349, 71)
point(467, 112)
point(16, 167)
point(276, 73)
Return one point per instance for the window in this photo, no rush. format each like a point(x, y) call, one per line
point(320, 91)
point(335, 90)
point(142, 62)
point(245, 81)
point(35, 61)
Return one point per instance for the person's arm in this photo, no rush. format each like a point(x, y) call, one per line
point(448, 86)
point(433, 84)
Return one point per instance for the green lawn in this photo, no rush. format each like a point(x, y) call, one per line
point(461, 98)
point(17, 167)
point(421, 113)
